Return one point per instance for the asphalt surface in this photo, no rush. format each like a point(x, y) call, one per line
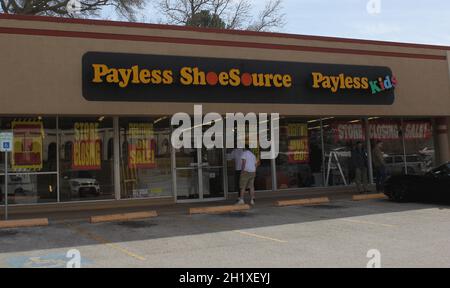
point(338, 234)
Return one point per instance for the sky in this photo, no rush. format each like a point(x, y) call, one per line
point(417, 21)
point(410, 21)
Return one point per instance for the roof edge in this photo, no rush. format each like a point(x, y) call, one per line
point(4, 16)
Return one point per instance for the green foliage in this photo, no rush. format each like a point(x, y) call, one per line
point(206, 19)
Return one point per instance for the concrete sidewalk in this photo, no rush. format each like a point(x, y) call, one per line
point(171, 209)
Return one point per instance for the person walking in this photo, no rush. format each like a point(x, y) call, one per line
point(248, 174)
point(379, 165)
point(359, 161)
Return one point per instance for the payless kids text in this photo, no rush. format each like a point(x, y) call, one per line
point(341, 82)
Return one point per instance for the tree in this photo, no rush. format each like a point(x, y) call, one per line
point(235, 14)
point(270, 17)
point(125, 8)
point(205, 19)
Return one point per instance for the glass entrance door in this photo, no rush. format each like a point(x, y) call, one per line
point(212, 171)
point(199, 174)
point(187, 174)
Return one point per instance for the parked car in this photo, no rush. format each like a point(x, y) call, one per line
point(81, 184)
point(414, 164)
point(433, 186)
point(21, 189)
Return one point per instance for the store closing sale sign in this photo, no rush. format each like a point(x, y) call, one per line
point(298, 143)
point(141, 146)
point(383, 131)
point(86, 146)
point(160, 78)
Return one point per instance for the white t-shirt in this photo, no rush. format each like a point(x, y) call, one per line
point(236, 155)
point(250, 161)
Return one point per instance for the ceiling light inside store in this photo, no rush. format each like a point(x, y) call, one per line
point(318, 120)
point(160, 119)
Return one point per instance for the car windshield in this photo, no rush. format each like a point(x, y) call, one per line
point(399, 159)
point(412, 159)
point(81, 174)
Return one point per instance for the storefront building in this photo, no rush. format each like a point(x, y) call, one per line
point(90, 105)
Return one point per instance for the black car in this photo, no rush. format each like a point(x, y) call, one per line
point(433, 186)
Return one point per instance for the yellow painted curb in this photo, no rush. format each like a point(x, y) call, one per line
point(24, 223)
point(302, 202)
point(123, 217)
point(368, 197)
point(219, 209)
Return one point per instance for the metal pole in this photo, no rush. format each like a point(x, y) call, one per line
point(58, 149)
point(322, 143)
point(6, 185)
point(369, 150)
point(404, 146)
point(116, 162)
point(225, 168)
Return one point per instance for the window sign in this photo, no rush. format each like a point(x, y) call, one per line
point(86, 147)
point(141, 146)
point(28, 142)
point(298, 143)
point(383, 131)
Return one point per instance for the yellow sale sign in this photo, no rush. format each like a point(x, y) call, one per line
point(86, 147)
point(298, 143)
point(27, 145)
point(141, 146)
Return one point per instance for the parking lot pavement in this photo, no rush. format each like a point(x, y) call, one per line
point(338, 234)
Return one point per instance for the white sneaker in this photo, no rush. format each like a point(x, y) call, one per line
point(240, 202)
point(252, 202)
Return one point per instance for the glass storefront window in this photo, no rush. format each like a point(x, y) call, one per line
point(213, 171)
point(388, 131)
point(340, 136)
point(85, 149)
point(86, 165)
point(200, 172)
point(419, 145)
point(145, 157)
point(263, 179)
point(300, 160)
point(32, 173)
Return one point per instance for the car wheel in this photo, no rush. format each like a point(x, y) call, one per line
point(399, 192)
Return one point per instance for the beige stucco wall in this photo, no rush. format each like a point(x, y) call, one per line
point(42, 74)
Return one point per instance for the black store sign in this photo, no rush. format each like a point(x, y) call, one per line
point(155, 78)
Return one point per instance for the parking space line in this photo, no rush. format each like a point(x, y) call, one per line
point(368, 223)
point(103, 241)
point(259, 236)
